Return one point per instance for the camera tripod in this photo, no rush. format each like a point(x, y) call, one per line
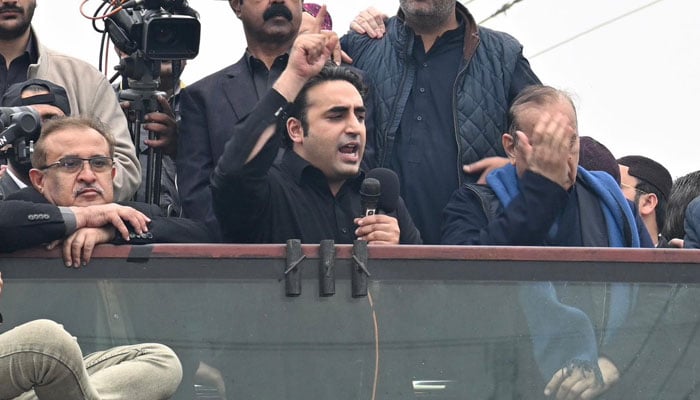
point(141, 103)
point(142, 94)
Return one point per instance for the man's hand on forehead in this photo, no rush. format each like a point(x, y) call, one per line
point(546, 150)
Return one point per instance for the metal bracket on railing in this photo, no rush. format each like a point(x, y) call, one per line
point(326, 268)
point(359, 268)
point(292, 272)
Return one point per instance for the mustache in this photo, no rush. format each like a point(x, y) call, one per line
point(14, 8)
point(86, 188)
point(277, 10)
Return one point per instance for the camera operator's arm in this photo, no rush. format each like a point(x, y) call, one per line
point(163, 124)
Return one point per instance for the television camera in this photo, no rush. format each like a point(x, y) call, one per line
point(149, 32)
point(19, 130)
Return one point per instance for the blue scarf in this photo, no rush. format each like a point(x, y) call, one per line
point(563, 336)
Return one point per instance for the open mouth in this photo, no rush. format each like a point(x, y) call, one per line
point(350, 151)
point(349, 148)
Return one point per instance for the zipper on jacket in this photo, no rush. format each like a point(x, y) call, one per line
point(392, 113)
point(461, 72)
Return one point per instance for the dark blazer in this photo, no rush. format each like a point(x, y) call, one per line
point(7, 186)
point(27, 219)
point(209, 110)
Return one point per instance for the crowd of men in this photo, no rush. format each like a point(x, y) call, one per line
point(483, 152)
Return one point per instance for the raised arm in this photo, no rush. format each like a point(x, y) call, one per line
point(238, 184)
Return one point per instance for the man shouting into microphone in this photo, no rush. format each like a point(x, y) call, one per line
point(313, 192)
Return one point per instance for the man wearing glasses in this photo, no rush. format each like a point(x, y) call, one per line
point(647, 184)
point(71, 201)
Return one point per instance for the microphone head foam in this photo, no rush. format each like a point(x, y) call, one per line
point(370, 187)
point(389, 198)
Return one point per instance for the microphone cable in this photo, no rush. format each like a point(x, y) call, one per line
point(376, 345)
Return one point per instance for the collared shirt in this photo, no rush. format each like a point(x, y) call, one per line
point(18, 67)
point(311, 211)
point(258, 202)
point(20, 184)
point(262, 77)
point(426, 144)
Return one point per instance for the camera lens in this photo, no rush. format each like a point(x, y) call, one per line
point(165, 35)
point(171, 37)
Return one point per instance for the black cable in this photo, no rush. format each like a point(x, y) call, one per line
point(501, 10)
point(97, 12)
point(103, 45)
point(96, 16)
point(603, 24)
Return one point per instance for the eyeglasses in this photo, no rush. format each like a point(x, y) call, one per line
point(75, 164)
point(633, 187)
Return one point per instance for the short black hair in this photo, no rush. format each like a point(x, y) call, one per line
point(330, 72)
point(683, 191)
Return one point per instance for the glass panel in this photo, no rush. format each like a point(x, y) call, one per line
point(414, 336)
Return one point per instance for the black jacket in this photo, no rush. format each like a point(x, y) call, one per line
point(258, 202)
point(27, 219)
point(7, 186)
point(209, 108)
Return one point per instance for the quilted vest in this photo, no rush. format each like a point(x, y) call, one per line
point(479, 98)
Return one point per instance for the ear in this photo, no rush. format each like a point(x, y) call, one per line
point(114, 171)
point(236, 7)
point(37, 178)
point(295, 130)
point(509, 146)
point(647, 203)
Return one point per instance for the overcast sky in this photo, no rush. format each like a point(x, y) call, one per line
point(634, 75)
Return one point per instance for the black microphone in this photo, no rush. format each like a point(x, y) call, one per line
point(389, 181)
point(370, 190)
